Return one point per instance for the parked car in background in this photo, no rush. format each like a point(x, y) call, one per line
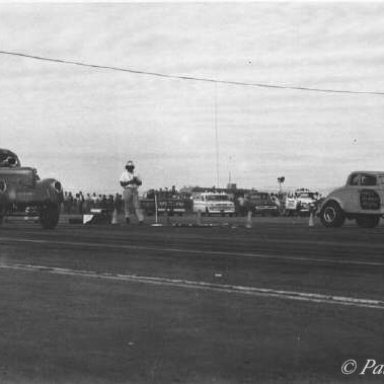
point(23, 193)
point(361, 199)
point(262, 203)
point(300, 202)
point(213, 203)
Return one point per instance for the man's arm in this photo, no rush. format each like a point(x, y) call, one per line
point(134, 181)
point(125, 183)
point(137, 181)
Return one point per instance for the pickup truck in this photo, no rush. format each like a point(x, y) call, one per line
point(213, 203)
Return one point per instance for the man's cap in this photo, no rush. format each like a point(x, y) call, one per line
point(129, 163)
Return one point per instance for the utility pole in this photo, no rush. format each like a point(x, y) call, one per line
point(217, 142)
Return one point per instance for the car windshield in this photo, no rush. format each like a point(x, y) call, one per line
point(8, 159)
point(217, 197)
point(307, 195)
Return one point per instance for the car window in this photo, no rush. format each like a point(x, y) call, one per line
point(381, 179)
point(368, 180)
point(354, 179)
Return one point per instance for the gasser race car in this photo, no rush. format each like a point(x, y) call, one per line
point(361, 199)
point(22, 192)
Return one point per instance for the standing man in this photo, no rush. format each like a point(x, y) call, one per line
point(131, 182)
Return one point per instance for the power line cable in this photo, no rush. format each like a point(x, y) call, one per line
point(191, 78)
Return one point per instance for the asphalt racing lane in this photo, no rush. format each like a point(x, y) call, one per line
point(71, 329)
point(296, 258)
point(121, 304)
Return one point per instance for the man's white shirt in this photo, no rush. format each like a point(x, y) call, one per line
point(127, 176)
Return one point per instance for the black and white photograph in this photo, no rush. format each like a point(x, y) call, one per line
point(192, 192)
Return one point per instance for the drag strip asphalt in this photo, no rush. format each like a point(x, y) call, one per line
point(224, 288)
point(279, 257)
point(186, 251)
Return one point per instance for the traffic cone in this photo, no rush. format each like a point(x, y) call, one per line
point(114, 217)
point(311, 222)
point(198, 218)
point(249, 220)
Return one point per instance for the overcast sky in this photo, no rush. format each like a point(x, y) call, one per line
point(82, 124)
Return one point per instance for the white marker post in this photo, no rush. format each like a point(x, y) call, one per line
point(156, 224)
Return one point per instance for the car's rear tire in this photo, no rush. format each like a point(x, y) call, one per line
point(367, 221)
point(49, 216)
point(331, 215)
point(2, 214)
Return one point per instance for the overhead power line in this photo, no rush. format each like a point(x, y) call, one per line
point(190, 78)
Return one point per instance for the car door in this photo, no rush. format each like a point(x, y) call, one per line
point(380, 189)
point(370, 197)
point(351, 193)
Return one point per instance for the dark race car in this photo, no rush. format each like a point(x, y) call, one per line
point(259, 203)
point(23, 193)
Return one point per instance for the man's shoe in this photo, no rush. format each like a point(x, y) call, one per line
point(127, 220)
point(141, 222)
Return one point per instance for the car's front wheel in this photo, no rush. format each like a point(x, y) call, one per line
point(49, 216)
point(332, 215)
point(367, 221)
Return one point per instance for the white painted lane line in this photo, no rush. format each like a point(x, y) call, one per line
point(192, 251)
point(180, 283)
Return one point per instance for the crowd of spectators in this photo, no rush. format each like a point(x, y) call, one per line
point(166, 194)
point(79, 203)
point(82, 203)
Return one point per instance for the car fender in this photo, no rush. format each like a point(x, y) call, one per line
point(50, 190)
point(334, 198)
